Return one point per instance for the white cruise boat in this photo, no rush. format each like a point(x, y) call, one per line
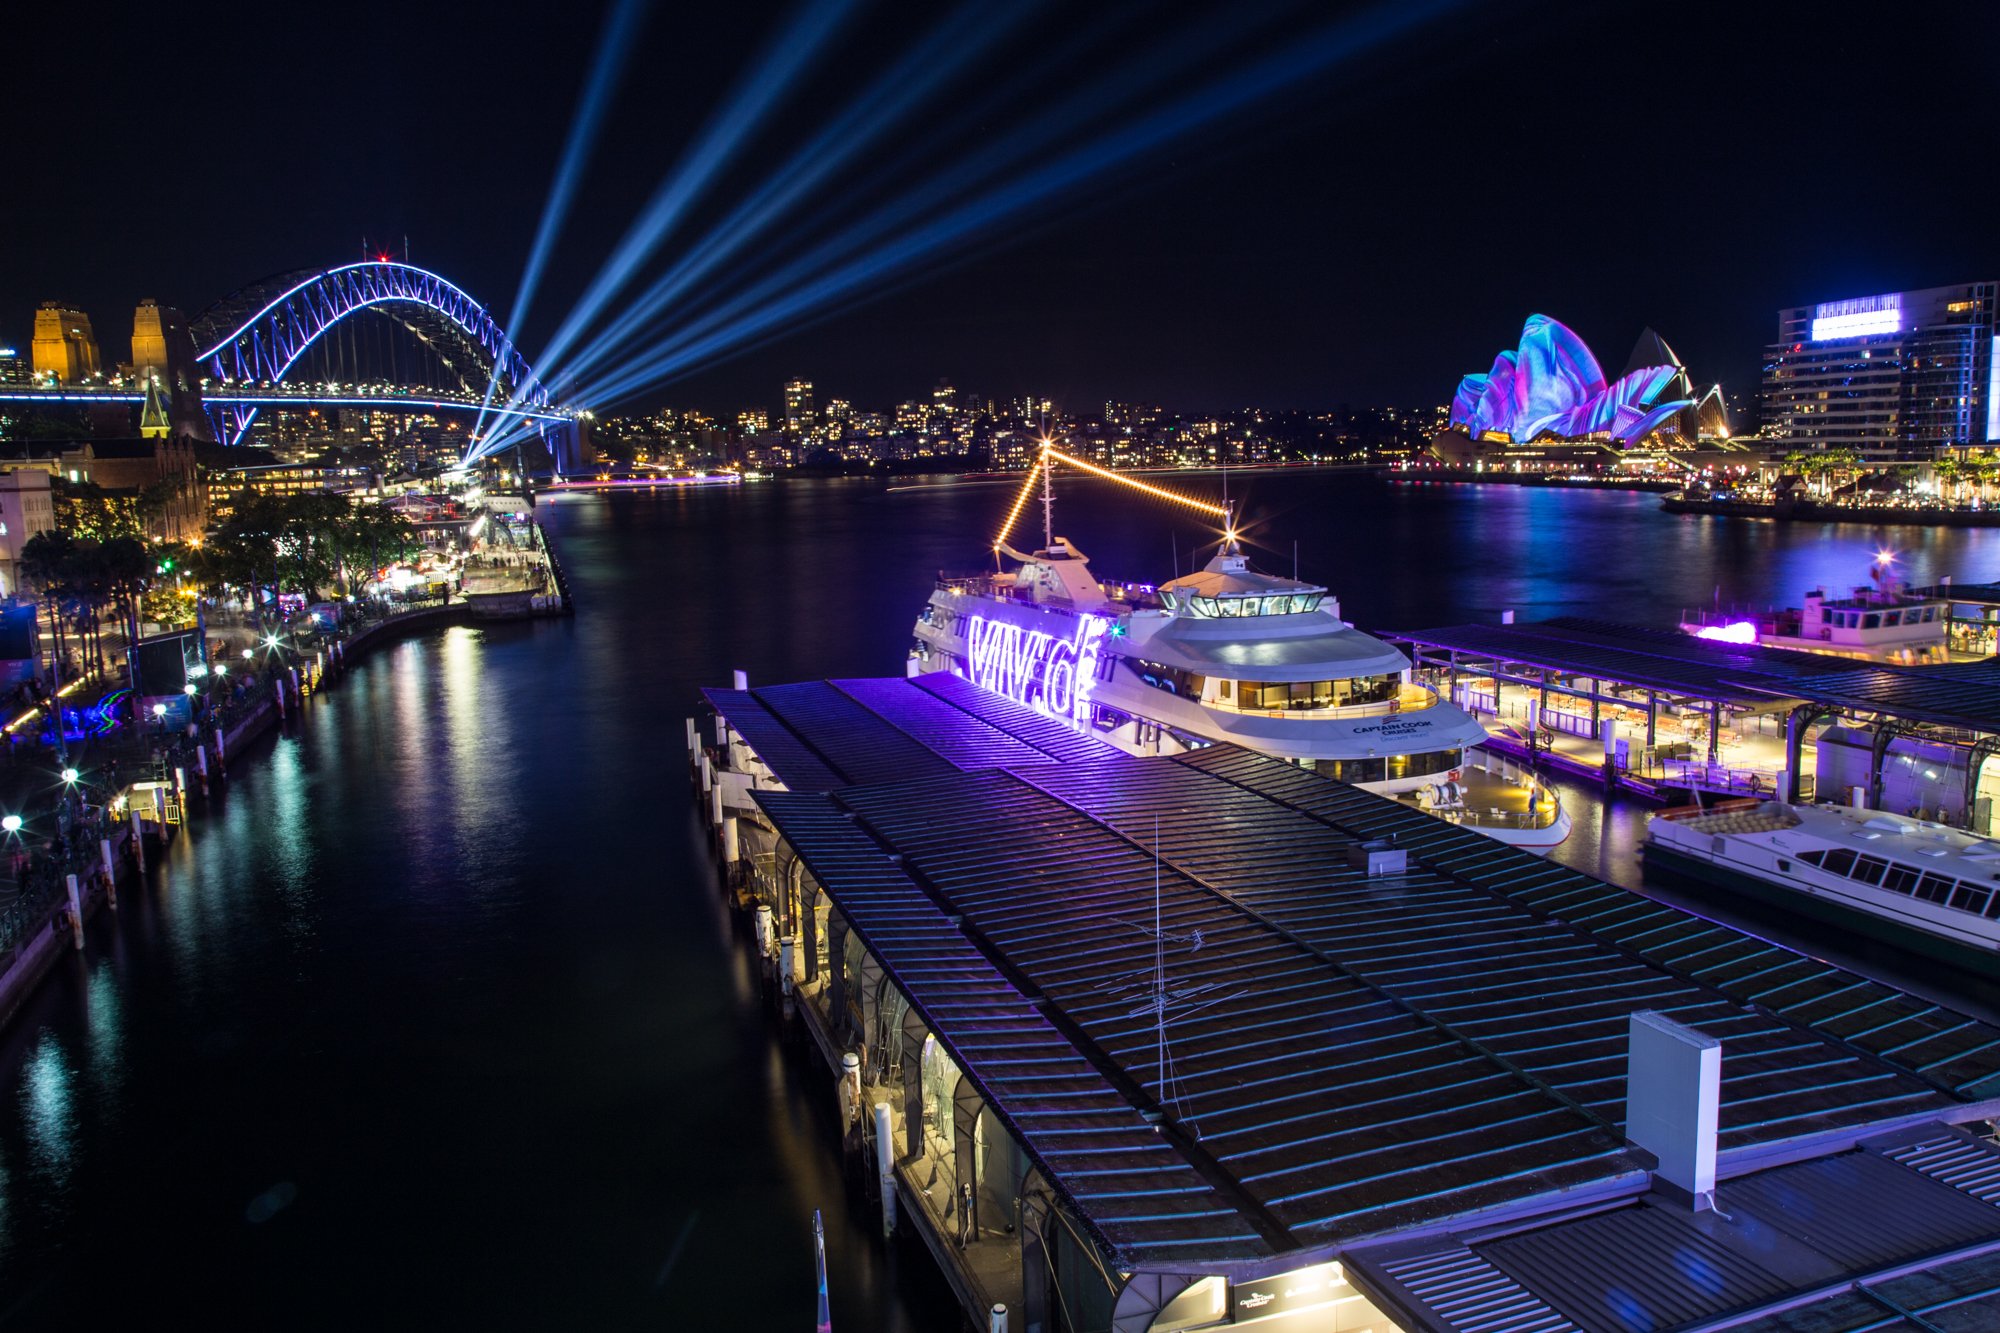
point(1917, 884)
point(1226, 654)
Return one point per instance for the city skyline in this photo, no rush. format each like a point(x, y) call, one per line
point(1361, 238)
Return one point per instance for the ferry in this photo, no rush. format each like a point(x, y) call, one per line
point(1228, 653)
point(1918, 884)
point(1882, 621)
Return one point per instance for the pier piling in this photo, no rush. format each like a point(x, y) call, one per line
point(139, 841)
point(77, 915)
point(885, 1166)
point(741, 680)
point(849, 1084)
point(996, 1319)
point(110, 871)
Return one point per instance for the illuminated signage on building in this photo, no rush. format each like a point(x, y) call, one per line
point(1859, 317)
point(1050, 675)
point(1993, 394)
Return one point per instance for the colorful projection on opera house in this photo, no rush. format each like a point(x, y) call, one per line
point(1552, 386)
point(1049, 674)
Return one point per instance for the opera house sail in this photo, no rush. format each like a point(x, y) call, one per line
point(1550, 389)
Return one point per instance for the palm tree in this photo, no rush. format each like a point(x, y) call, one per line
point(48, 560)
point(1950, 471)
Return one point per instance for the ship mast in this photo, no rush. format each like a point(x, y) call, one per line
point(1048, 500)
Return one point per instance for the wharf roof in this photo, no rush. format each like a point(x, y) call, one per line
point(1896, 1237)
point(1348, 1057)
point(826, 734)
point(1130, 1183)
point(1971, 594)
point(1658, 659)
point(1959, 694)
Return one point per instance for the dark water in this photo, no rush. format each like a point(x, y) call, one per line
point(437, 1020)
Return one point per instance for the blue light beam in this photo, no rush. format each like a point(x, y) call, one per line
point(1102, 97)
point(681, 353)
point(888, 101)
point(754, 97)
point(607, 66)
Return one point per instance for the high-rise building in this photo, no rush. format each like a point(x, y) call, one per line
point(65, 349)
point(1903, 375)
point(13, 370)
point(799, 417)
point(753, 420)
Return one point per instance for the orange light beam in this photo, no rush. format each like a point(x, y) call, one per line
point(1203, 505)
point(1021, 500)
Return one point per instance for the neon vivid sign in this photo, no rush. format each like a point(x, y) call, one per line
point(1050, 675)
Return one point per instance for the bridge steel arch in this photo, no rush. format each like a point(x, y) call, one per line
point(257, 334)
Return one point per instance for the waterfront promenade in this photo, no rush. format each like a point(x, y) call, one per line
point(80, 841)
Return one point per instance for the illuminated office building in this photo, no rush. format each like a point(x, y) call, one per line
point(1902, 375)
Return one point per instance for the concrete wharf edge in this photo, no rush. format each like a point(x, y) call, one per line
point(34, 960)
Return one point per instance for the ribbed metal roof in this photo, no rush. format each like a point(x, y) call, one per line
point(963, 739)
point(828, 734)
point(1127, 1181)
point(1334, 1106)
point(1949, 1052)
point(1052, 738)
point(1857, 1240)
point(783, 752)
point(854, 742)
point(1962, 694)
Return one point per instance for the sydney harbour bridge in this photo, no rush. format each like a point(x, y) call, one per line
point(378, 335)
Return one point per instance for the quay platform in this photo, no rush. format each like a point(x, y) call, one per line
point(1662, 713)
point(1212, 1040)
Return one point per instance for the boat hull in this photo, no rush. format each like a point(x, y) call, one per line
point(1689, 868)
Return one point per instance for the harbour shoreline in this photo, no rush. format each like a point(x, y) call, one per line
point(29, 963)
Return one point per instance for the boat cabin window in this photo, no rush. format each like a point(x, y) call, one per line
point(1934, 888)
point(1173, 680)
point(1274, 604)
point(1869, 870)
point(1927, 885)
point(1901, 879)
point(1306, 695)
point(1970, 897)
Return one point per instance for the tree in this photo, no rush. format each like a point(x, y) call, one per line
point(48, 560)
point(88, 512)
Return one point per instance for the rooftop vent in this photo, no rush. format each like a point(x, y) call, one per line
point(1673, 1087)
point(1378, 856)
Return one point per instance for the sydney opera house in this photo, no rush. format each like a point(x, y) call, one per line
point(1548, 402)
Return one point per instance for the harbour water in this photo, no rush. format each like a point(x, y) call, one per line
point(437, 1017)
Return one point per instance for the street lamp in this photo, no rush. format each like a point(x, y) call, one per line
point(70, 775)
point(11, 824)
point(190, 689)
point(159, 710)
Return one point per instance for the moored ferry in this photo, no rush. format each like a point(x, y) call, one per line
point(1225, 654)
point(1921, 885)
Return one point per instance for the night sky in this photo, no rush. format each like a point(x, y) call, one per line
point(1366, 236)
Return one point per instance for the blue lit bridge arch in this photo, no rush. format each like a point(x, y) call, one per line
point(251, 344)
